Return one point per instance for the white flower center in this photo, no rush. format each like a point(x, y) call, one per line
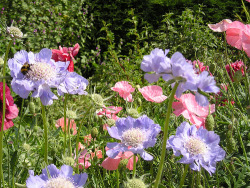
point(59, 182)
point(40, 71)
point(133, 137)
point(195, 146)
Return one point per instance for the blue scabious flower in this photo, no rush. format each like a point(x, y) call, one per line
point(135, 135)
point(206, 84)
point(36, 73)
point(156, 62)
point(73, 84)
point(198, 147)
point(56, 178)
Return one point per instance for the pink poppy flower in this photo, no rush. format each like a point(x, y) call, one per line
point(189, 108)
point(66, 54)
point(221, 26)
point(153, 93)
point(199, 66)
point(238, 65)
point(112, 164)
point(60, 123)
point(85, 157)
point(110, 112)
point(234, 34)
point(124, 89)
point(87, 139)
point(248, 1)
point(246, 40)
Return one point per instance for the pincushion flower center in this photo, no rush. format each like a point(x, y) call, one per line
point(59, 182)
point(133, 137)
point(40, 71)
point(195, 146)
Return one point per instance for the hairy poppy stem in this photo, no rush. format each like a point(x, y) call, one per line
point(165, 135)
point(45, 127)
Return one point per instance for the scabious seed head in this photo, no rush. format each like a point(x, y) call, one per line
point(135, 183)
point(97, 99)
point(59, 182)
point(94, 132)
point(133, 113)
point(14, 32)
point(71, 114)
point(110, 122)
point(68, 161)
point(133, 137)
point(209, 123)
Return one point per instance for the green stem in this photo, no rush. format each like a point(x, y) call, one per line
point(198, 178)
point(70, 151)
point(3, 115)
point(163, 151)
point(65, 129)
point(134, 165)
point(45, 127)
point(184, 175)
point(117, 177)
point(77, 141)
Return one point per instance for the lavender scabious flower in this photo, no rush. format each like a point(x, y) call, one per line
point(73, 84)
point(206, 84)
point(135, 135)
point(56, 178)
point(36, 73)
point(198, 147)
point(156, 62)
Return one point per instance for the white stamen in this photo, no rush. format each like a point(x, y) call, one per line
point(59, 182)
point(40, 71)
point(195, 146)
point(133, 137)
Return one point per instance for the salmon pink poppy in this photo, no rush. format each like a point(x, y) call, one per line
point(153, 93)
point(11, 111)
point(124, 89)
point(87, 139)
point(221, 26)
point(60, 123)
point(110, 112)
point(234, 34)
point(85, 157)
point(66, 54)
point(112, 164)
point(189, 108)
point(246, 40)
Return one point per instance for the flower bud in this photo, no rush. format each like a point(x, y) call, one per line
point(71, 114)
point(209, 123)
point(14, 32)
point(1, 61)
point(26, 147)
point(231, 167)
point(123, 164)
point(135, 183)
point(110, 122)
point(237, 76)
point(32, 107)
point(94, 132)
point(68, 161)
point(231, 145)
point(97, 99)
point(212, 68)
point(133, 113)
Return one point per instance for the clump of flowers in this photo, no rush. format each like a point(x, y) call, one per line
point(198, 147)
point(66, 54)
point(60, 123)
point(177, 69)
point(56, 178)
point(198, 66)
point(135, 136)
point(124, 89)
point(236, 66)
point(189, 108)
point(11, 109)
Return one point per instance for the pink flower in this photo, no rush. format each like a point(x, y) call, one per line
point(248, 1)
point(246, 40)
point(87, 139)
point(110, 112)
point(153, 93)
point(234, 34)
point(238, 65)
point(66, 54)
point(124, 89)
point(221, 26)
point(199, 66)
point(190, 109)
point(84, 158)
point(60, 123)
point(112, 164)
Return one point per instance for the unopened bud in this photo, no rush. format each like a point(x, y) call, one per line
point(32, 107)
point(212, 68)
point(237, 76)
point(1, 61)
point(133, 113)
point(209, 123)
point(231, 145)
point(71, 114)
point(94, 132)
point(68, 161)
point(110, 122)
point(97, 99)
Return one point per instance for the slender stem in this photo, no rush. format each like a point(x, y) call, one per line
point(184, 175)
point(117, 176)
point(45, 127)
point(77, 141)
point(70, 151)
point(65, 129)
point(163, 151)
point(198, 178)
point(134, 165)
point(3, 115)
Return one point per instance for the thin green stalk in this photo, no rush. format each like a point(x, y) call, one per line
point(3, 114)
point(70, 151)
point(163, 151)
point(198, 178)
point(184, 175)
point(45, 127)
point(192, 183)
point(77, 141)
point(117, 177)
point(134, 165)
point(19, 124)
point(65, 129)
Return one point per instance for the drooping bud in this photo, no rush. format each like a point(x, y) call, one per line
point(231, 145)
point(14, 32)
point(123, 164)
point(32, 107)
point(133, 113)
point(94, 132)
point(209, 123)
point(237, 76)
point(135, 183)
point(97, 99)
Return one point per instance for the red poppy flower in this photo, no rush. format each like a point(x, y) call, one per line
point(66, 54)
point(11, 109)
